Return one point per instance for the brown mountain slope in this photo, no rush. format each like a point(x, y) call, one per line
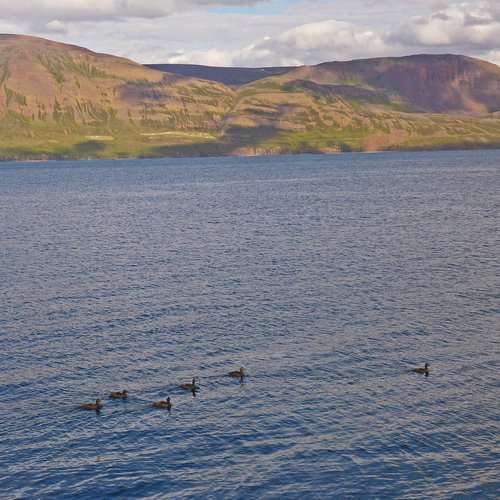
point(63, 101)
point(54, 84)
point(427, 83)
point(302, 116)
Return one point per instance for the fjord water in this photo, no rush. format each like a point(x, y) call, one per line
point(326, 277)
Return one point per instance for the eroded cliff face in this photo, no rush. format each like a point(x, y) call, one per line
point(429, 83)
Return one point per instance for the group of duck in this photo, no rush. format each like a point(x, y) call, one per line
point(193, 388)
point(166, 404)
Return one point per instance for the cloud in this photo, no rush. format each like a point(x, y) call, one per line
point(44, 11)
point(211, 57)
point(461, 25)
point(494, 57)
point(308, 43)
point(467, 28)
point(471, 28)
point(434, 4)
point(40, 12)
point(57, 26)
point(329, 39)
point(297, 32)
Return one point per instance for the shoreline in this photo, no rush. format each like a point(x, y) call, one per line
point(57, 158)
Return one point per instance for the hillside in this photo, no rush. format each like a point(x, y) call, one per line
point(227, 76)
point(63, 101)
point(415, 102)
point(58, 99)
point(426, 83)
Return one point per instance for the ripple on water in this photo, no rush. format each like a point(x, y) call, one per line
point(327, 278)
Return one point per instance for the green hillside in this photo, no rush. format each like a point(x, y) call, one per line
point(62, 101)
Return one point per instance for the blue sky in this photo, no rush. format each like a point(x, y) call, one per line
point(262, 32)
point(262, 8)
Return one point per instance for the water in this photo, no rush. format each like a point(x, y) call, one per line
point(326, 277)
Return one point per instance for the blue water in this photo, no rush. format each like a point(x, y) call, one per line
point(326, 277)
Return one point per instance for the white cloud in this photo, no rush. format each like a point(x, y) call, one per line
point(211, 57)
point(40, 12)
point(461, 25)
point(305, 44)
point(493, 56)
point(302, 32)
point(469, 28)
point(57, 26)
point(327, 40)
point(329, 36)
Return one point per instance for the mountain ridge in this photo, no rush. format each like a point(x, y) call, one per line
point(64, 101)
point(231, 76)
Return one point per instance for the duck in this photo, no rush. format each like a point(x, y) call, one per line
point(425, 369)
point(92, 406)
point(189, 387)
point(119, 395)
point(237, 373)
point(163, 404)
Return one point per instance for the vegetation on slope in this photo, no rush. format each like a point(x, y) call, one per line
point(62, 101)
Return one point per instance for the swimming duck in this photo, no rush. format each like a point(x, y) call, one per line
point(237, 373)
point(119, 395)
point(425, 369)
point(92, 406)
point(163, 404)
point(189, 387)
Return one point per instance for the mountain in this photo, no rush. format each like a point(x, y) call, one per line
point(64, 101)
point(227, 76)
point(58, 99)
point(427, 83)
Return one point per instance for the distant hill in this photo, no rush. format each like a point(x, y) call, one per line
point(64, 101)
point(227, 76)
point(428, 83)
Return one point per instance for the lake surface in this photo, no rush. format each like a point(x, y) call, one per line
point(328, 278)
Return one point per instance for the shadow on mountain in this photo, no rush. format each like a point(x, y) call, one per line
point(236, 140)
point(227, 76)
point(89, 147)
point(237, 137)
point(187, 150)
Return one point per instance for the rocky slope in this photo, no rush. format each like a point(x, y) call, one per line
point(62, 85)
point(63, 101)
point(425, 83)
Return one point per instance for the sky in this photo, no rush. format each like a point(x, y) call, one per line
point(256, 33)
